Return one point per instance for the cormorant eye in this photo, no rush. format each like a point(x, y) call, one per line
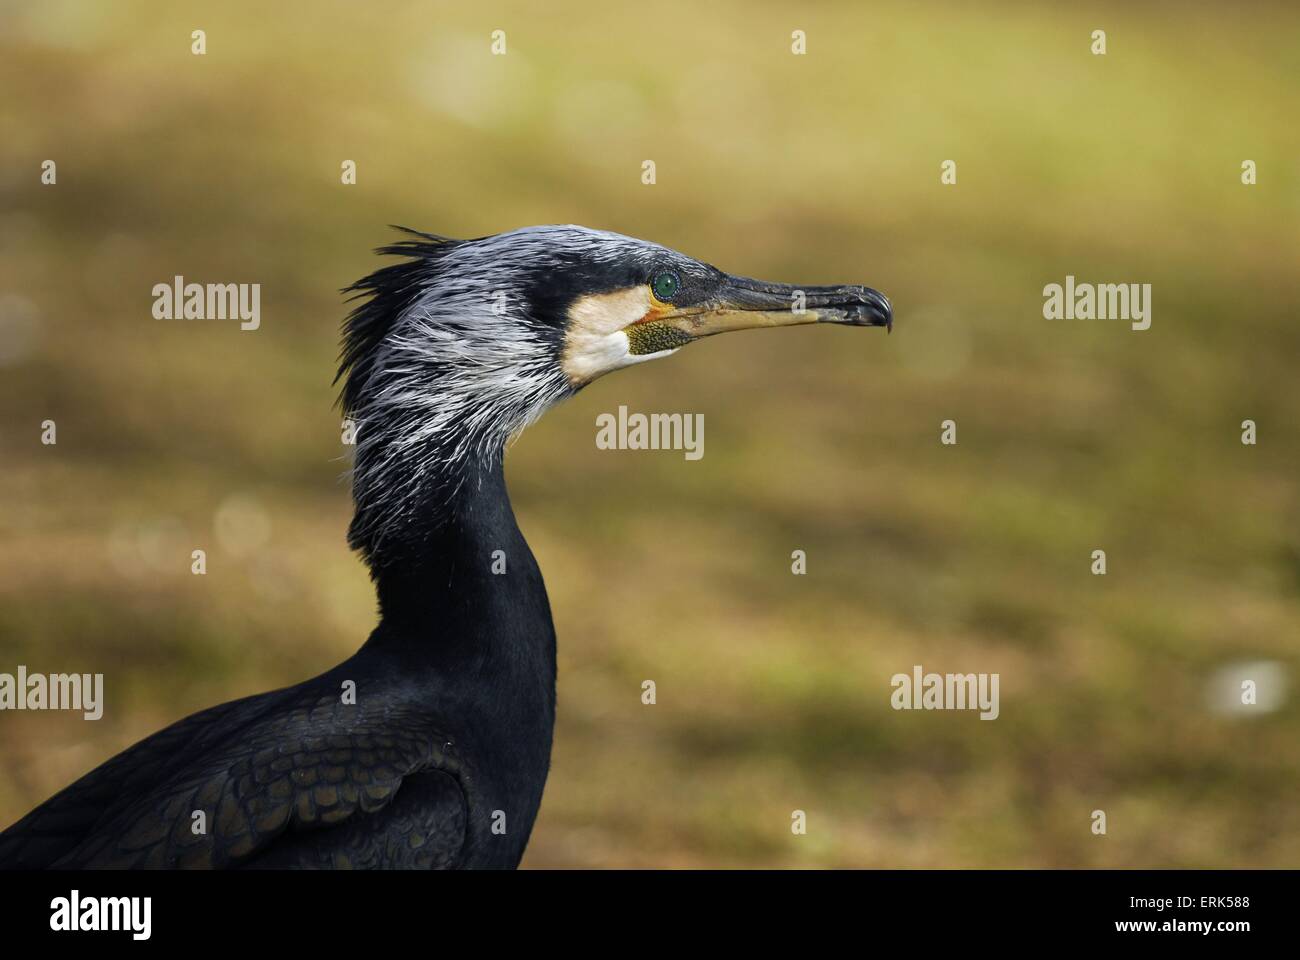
point(665, 285)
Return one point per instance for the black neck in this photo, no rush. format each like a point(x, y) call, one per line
point(478, 649)
point(445, 585)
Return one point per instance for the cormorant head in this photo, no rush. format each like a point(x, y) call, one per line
point(466, 342)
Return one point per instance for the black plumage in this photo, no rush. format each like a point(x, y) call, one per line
point(448, 740)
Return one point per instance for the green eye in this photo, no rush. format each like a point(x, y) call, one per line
point(665, 285)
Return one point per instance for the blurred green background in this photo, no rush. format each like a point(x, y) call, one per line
point(773, 690)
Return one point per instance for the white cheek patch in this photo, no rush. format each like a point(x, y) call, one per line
point(594, 343)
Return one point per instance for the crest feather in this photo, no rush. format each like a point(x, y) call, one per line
point(389, 292)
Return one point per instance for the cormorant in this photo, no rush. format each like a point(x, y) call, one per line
point(439, 757)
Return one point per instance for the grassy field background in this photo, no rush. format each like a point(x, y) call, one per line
point(773, 690)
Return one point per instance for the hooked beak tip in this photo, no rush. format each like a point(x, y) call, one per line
point(865, 307)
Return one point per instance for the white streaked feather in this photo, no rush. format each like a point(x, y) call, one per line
point(458, 376)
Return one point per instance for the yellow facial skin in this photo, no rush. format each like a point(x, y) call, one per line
point(609, 331)
point(653, 333)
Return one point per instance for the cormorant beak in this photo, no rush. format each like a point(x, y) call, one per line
point(743, 304)
point(659, 327)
